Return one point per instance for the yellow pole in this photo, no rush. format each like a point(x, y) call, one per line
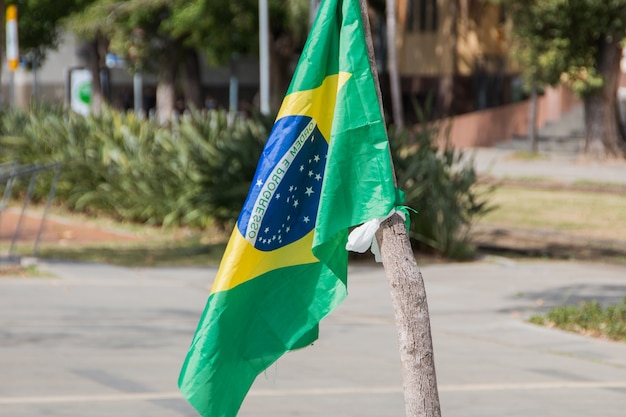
point(13, 52)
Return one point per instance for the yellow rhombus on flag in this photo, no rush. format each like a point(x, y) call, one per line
point(325, 168)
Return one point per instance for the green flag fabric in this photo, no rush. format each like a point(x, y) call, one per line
point(325, 168)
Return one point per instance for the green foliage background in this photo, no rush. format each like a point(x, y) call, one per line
point(440, 182)
point(198, 172)
point(562, 40)
point(133, 170)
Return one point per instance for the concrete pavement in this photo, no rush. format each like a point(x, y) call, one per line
point(97, 340)
point(556, 166)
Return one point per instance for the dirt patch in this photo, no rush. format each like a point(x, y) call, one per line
point(488, 238)
point(549, 244)
point(58, 230)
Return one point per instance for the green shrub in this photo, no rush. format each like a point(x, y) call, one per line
point(109, 161)
point(140, 172)
point(193, 173)
point(225, 155)
point(440, 182)
point(42, 136)
point(589, 318)
point(199, 170)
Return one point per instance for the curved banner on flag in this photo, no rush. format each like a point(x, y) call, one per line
point(275, 227)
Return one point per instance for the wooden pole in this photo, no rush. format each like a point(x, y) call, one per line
point(408, 296)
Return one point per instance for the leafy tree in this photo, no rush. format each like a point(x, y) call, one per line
point(141, 38)
point(578, 43)
point(94, 24)
point(225, 28)
point(140, 31)
point(219, 29)
point(288, 32)
point(163, 36)
point(39, 26)
point(39, 23)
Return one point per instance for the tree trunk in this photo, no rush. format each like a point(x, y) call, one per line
point(408, 294)
point(394, 76)
point(192, 81)
point(166, 85)
point(95, 58)
point(281, 55)
point(603, 133)
point(445, 102)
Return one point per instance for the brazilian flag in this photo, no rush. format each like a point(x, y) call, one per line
point(325, 167)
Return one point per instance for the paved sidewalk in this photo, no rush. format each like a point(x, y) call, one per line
point(555, 166)
point(98, 340)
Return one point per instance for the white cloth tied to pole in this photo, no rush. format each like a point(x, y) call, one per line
point(363, 237)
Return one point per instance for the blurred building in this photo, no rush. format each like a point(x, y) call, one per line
point(455, 51)
point(51, 82)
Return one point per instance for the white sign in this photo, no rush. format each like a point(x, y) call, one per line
point(80, 91)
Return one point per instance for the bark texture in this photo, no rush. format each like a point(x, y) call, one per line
point(603, 132)
point(166, 86)
point(192, 81)
point(95, 61)
point(281, 70)
point(408, 295)
point(445, 93)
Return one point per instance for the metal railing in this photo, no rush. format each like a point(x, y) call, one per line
point(10, 174)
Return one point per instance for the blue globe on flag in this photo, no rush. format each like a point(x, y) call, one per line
point(282, 205)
